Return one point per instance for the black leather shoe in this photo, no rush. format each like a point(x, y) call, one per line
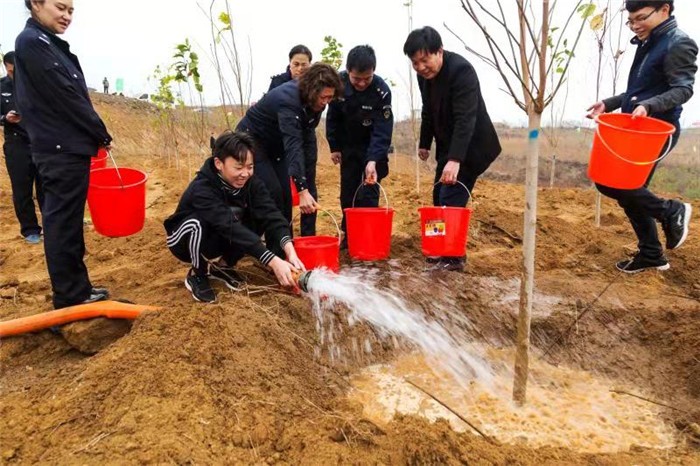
point(99, 290)
point(95, 296)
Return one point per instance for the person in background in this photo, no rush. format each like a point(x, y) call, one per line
point(454, 114)
point(105, 85)
point(283, 124)
point(65, 131)
point(299, 61)
point(223, 213)
point(359, 128)
point(660, 81)
point(18, 158)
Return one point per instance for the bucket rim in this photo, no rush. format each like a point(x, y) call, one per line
point(444, 207)
point(121, 169)
point(332, 240)
point(384, 210)
point(600, 119)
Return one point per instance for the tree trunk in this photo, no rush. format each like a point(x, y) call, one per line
point(527, 281)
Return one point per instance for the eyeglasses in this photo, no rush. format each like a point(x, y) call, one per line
point(641, 19)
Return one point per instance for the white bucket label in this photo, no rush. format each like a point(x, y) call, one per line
point(435, 228)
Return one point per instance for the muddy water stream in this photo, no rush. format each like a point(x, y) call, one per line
point(566, 408)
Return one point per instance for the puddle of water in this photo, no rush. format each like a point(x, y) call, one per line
point(566, 408)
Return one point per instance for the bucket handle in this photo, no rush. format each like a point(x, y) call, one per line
point(116, 167)
point(323, 211)
point(382, 190)
point(669, 146)
point(471, 198)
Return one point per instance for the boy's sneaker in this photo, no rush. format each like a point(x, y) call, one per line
point(232, 279)
point(34, 238)
point(676, 226)
point(640, 263)
point(200, 288)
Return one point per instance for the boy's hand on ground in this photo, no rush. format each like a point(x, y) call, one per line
point(423, 154)
point(449, 173)
point(284, 272)
point(595, 109)
point(371, 173)
point(336, 157)
point(307, 203)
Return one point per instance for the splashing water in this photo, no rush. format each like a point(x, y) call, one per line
point(443, 341)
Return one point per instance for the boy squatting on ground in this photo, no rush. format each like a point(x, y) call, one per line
point(222, 214)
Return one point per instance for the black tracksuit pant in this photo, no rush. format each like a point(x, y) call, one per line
point(352, 170)
point(23, 179)
point(643, 209)
point(65, 179)
point(194, 242)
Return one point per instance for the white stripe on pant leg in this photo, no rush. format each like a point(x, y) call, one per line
point(182, 230)
point(195, 243)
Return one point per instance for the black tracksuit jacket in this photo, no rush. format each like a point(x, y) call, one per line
point(237, 215)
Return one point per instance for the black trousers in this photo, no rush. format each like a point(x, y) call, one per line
point(194, 241)
point(308, 221)
point(65, 179)
point(352, 171)
point(453, 195)
point(643, 209)
point(23, 179)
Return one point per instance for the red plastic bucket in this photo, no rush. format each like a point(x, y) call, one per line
point(117, 205)
point(295, 193)
point(319, 251)
point(100, 160)
point(444, 230)
point(625, 150)
point(369, 230)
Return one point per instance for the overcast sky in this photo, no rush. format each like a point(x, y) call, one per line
point(128, 38)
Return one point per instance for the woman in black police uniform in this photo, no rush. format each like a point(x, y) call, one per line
point(299, 61)
point(283, 124)
point(65, 131)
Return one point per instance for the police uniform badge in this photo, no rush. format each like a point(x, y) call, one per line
point(386, 111)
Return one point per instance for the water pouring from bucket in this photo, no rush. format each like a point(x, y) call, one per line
point(369, 229)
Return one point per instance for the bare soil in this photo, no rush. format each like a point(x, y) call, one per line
point(238, 382)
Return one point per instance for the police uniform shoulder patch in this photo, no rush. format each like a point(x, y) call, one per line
point(386, 111)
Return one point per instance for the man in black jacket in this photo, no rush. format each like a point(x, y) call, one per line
point(223, 213)
point(660, 81)
point(18, 158)
point(359, 128)
point(454, 114)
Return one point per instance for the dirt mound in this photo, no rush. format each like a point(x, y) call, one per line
point(241, 381)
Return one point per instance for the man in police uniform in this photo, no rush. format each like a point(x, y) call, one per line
point(18, 158)
point(358, 129)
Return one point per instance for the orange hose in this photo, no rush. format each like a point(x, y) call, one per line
point(109, 309)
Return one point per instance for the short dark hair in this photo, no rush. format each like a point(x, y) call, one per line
point(316, 78)
point(425, 39)
point(636, 5)
point(9, 58)
point(234, 144)
point(361, 59)
point(28, 3)
point(297, 49)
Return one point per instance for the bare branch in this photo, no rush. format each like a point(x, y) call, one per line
point(496, 52)
point(555, 50)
